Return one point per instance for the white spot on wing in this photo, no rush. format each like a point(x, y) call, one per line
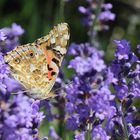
point(62, 50)
point(32, 67)
point(52, 40)
point(66, 36)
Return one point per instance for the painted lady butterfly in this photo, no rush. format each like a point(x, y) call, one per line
point(36, 65)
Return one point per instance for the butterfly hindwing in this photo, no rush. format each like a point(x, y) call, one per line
point(36, 65)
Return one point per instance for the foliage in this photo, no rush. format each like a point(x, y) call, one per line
point(99, 98)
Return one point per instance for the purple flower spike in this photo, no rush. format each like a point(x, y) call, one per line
point(18, 120)
point(72, 123)
point(99, 133)
point(2, 36)
point(106, 16)
point(134, 131)
point(9, 37)
point(80, 136)
point(17, 30)
point(89, 59)
point(102, 17)
point(107, 6)
point(19, 115)
point(82, 9)
point(53, 135)
point(81, 65)
point(138, 47)
point(122, 50)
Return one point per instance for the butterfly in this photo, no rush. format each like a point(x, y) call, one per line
point(36, 65)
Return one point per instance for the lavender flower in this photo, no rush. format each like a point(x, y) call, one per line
point(50, 116)
point(122, 50)
point(101, 103)
point(53, 134)
point(121, 67)
point(88, 98)
point(90, 105)
point(9, 37)
point(98, 103)
point(134, 131)
point(138, 47)
point(106, 14)
point(2, 36)
point(92, 13)
point(99, 133)
point(87, 61)
point(80, 136)
point(19, 115)
point(7, 84)
point(126, 70)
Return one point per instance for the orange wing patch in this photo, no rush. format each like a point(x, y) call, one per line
point(36, 65)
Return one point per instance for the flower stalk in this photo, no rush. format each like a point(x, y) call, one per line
point(124, 125)
point(61, 10)
point(93, 29)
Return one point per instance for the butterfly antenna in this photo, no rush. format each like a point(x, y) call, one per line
point(24, 91)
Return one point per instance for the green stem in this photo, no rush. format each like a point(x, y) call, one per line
point(93, 38)
point(124, 126)
point(61, 10)
point(88, 135)
point(89, 128)
point(98, 10)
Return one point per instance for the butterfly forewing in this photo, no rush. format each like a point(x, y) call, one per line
point(36, 65)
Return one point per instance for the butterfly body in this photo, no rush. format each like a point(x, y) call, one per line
point(36, 65)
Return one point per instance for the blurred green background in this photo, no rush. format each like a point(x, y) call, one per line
point(37, 17)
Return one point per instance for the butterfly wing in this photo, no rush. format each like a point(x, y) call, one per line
point(36, 65)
